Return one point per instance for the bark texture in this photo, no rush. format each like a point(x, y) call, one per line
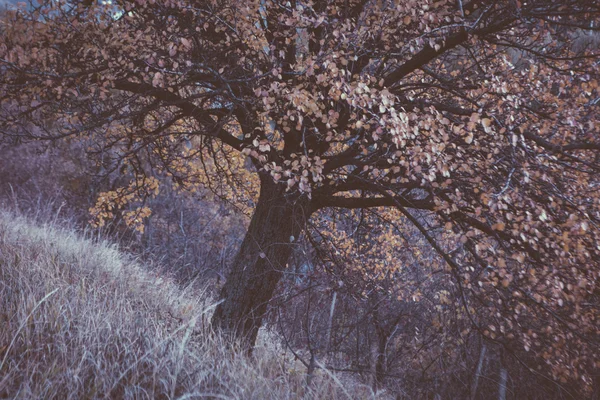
point(278, 219)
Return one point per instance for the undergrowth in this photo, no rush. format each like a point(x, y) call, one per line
point(81, 320)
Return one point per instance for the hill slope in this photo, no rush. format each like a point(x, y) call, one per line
point(78, 319)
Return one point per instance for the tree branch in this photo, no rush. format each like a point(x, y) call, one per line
point(555, 148)
point(423, 57)
point(370, 202)
point(202, 116)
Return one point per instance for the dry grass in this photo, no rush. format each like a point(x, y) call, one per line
point(79, 320)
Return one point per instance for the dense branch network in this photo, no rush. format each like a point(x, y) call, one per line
point(483, 114)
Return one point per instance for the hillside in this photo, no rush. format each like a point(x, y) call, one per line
point(79, 319)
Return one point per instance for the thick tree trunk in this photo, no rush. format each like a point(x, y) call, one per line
point(278, 220)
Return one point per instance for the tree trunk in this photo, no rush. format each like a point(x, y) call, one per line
point(278, 219)
point(502, 384)
point(380, 359)
point(596, 386)
point(478, 370)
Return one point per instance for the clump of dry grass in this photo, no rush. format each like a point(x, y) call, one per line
point(79, 320)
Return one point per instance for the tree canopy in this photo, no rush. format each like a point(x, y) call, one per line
point(479, 118)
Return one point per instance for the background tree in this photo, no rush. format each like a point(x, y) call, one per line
point(477, 115)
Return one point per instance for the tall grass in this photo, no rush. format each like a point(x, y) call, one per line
point(80, 320)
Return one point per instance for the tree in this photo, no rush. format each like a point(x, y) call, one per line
point(478, 116)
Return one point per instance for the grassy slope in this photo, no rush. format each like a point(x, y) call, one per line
point(80, 320)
